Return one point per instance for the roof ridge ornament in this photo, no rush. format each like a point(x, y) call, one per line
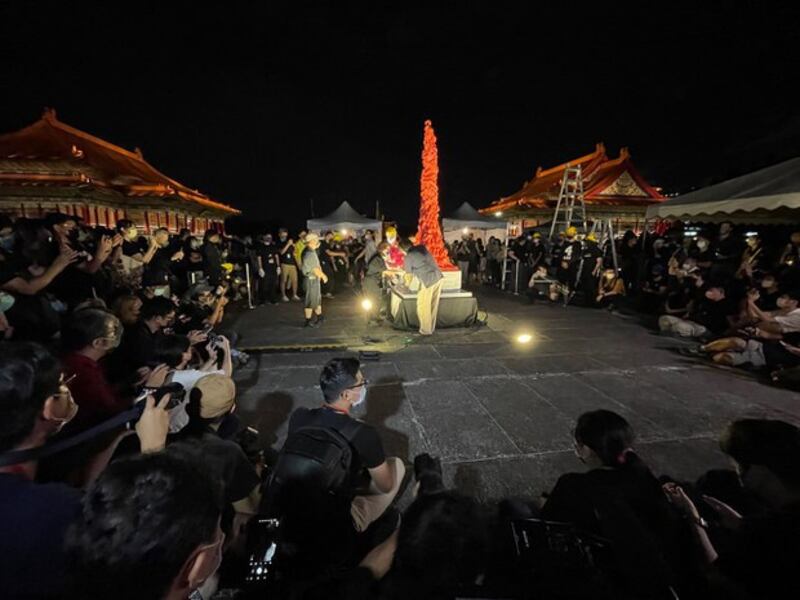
point(76, 152)
point(49, 114)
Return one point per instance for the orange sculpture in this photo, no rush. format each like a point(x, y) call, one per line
point(429, 232)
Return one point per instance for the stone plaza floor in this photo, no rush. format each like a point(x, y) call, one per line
point(499, 414)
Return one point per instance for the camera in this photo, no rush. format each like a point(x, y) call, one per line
point(176, 392)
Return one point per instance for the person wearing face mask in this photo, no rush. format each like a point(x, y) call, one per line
point(165, 510)
point(702, 253)
point(36, 404)
point(619, 497)
point(288, 257)
point(374, 480)
point(267, 265)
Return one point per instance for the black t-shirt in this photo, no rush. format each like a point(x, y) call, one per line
point(33, 519)
point(137, 246)
point(322, 252)
point(375, 268)
point(287, 258)
point(768, 301)
point(268, 254)
point(227, 462)
point(713, 315)
point(763, 556)
point(366, 444)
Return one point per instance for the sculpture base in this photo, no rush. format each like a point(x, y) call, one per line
point(451, 283)
point(457, 308)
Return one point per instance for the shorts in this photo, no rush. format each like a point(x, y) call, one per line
point(753, 353)
point(313, 293)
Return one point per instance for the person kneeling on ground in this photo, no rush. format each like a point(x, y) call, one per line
point(324, 508)
point(712, 315)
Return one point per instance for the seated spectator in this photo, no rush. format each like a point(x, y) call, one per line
point(712, 315)
point(654, 290)
point(759, 553)
point(619, 499)
point(768, 293)
point(175, 351)
point(138, 343)
point(150, 528)
point(610, 289)
point(88, 336)
point(320, 520)
point(211, 402)
point(34, 404)
point(786, 319)
point(128, 309)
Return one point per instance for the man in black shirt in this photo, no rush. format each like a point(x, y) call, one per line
point(711, 315)
point(266, 254)
point(373, 278)
point(375, 479)
point(167, 252)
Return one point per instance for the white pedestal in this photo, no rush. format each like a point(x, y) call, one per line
point(400, 293)
point(451, 282)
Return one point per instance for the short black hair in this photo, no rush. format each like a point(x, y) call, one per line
point(156, 307)
point(125, 224)
point(606, 433)
point(29, 374)
point(169, 349)
point(84, 327)
point(337, 375)
point(793, 295)
point(767, 442)
point(140, 522)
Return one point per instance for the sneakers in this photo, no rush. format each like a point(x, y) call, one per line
point(296, 298)
point(284, 299)
point(328, 295)
point(320, 319)
point(311, 323)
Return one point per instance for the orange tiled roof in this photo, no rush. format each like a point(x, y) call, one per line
point(599, 175)
point(87, 159)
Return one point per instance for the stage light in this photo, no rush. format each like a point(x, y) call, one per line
point(344, 232)
point(524, 338)
point(499, 213)
point(366, 304)
point(465, 231)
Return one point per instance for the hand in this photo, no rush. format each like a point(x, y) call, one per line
point(105, 245)
point(728, 517)
point(753, 295)
point(157, 376)
point(177, 256)
point(213, 354)
point(195, 336)
point(116, 240)
point(324, 279)
point(223, 300)
point(279, 270)
point(66, 257)
point(261, 273)
point(678, 498)
point(789, 348)
point(153, 425)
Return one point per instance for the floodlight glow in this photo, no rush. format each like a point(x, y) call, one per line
point(344, 231)
point(524, 338)
point(499, 213)
point(366, 304)
point(465, 230)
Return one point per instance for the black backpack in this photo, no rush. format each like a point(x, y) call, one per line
point(316, 460)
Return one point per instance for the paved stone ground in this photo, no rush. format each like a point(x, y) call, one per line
point(497, 413)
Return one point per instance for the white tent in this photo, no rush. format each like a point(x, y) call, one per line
point(465, 217)
point(769, 195)
point(344, 218)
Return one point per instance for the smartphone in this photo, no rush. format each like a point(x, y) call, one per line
point(262, 547)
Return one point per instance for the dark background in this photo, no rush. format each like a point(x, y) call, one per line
point(267, 106)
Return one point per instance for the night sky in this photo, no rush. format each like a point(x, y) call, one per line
point(268, 106)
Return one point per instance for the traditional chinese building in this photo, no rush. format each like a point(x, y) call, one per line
point(52, 167)
point(613, 189)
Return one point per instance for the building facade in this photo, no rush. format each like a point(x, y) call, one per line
point(613, 189)
point(50, 166)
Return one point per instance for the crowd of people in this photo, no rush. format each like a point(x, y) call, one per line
point(736, 292)
point(126, 473)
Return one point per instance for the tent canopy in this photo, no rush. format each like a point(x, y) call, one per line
point(344, 217)
point(770, 194)
point(466, 216)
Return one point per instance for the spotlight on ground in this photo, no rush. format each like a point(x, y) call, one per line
point(524, 338)
point(366, 304)
point(465, 231)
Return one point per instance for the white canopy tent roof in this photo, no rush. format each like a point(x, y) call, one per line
point(344, 218)
point(768, 195)
point(466, 216)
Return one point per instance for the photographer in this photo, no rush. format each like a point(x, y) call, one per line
point(35, 405)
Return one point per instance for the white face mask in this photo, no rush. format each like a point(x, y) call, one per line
point(162, 290)
point(702, 244)
point(362, 395)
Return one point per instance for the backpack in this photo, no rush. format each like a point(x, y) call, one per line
point(314, 459)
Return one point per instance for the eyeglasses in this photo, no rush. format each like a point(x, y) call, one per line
point(364, 382)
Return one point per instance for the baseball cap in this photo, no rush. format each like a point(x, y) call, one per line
point(218, 394)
